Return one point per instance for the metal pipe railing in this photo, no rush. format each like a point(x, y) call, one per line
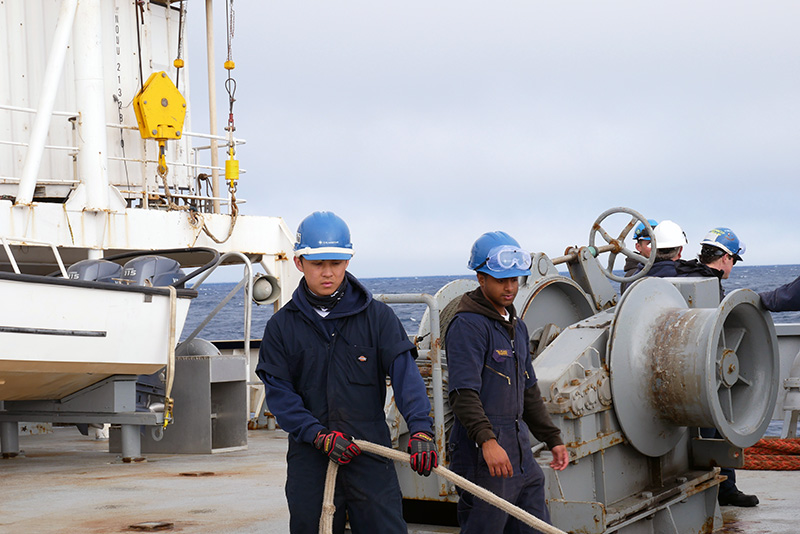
point(246, 282)
point(434, 354)
point(25, 241)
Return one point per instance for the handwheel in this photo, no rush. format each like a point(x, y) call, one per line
point(617, 246)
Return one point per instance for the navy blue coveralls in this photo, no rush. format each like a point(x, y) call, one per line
point(481, 356)
point(331, 373)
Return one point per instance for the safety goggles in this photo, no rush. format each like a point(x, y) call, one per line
point(506, 257)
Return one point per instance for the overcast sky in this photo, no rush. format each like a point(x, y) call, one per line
point(425, 124)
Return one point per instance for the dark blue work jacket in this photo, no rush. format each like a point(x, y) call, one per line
point(695, 269)
point(661, 269)
point(481, 356)
point(785, 298)
point(331, 372)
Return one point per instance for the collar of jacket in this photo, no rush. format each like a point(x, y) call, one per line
point(476, 302)
point(685, 267)
point(355, 300)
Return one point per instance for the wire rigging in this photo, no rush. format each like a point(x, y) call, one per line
point(139, 7)
point(178, 63)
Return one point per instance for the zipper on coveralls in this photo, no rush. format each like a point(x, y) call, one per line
point(495, 371)
point(516, 418)
point(330, 344)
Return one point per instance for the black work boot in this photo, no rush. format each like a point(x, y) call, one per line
point(738, 498)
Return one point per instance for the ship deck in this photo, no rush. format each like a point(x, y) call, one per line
point(66, 482)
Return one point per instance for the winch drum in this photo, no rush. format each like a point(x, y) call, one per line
point(673, 367)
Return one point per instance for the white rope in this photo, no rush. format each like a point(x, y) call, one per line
point(328, 508)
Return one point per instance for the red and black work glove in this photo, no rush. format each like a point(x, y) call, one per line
point(422, 449)
point(339, 447)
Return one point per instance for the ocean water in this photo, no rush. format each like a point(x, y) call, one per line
point(229, 322)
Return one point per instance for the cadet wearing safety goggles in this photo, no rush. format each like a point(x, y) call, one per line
point(493, 392)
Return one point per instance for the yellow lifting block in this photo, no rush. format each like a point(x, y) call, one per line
point(160, 108)
point(231, 169)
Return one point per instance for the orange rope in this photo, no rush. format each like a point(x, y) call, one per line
point(773, 454)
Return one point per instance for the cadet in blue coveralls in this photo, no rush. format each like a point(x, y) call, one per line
point(494, 395)
point(324, 361)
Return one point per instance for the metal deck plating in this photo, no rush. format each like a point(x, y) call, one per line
point(66, 482)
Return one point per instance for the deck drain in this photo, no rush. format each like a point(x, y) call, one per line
point(152, 526)
point(197, 474)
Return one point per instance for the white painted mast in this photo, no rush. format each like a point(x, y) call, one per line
point(89, 96)
point(212, 104)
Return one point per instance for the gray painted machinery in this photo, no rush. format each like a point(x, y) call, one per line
point(630, 386)
point(630, 381)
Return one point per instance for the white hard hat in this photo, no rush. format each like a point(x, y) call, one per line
point(669, 235)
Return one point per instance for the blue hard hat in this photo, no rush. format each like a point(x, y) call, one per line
point(725, 240)
point(639, 231)
point(323, 235)
point(500, 256)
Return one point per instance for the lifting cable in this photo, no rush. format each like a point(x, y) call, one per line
point(328, 508)
point(139, 9)
point(773, 454)
point(231, 164)
point(178, 63)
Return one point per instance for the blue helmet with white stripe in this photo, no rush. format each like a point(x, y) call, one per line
point(725, 240)
point(323, 235)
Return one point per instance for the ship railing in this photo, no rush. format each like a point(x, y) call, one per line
point(134, 189)
point(246, 282)
point(6, 240)
point(433, 354)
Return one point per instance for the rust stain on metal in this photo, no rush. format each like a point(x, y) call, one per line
point(197, 474)
point(670, 354)
point(426, 370)
point(708, 526)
